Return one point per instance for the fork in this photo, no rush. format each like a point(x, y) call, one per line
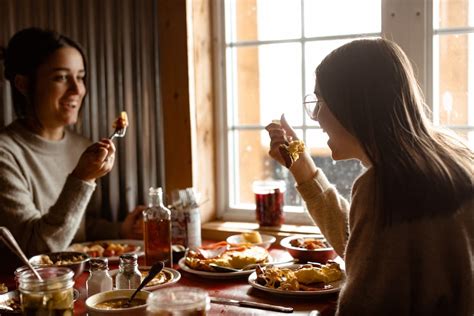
point(119, 132)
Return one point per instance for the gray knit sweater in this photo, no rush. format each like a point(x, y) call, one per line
point(423, 267)
point(40, 202)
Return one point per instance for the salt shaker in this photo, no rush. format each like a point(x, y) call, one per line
point(128, 277)
point(99, 278)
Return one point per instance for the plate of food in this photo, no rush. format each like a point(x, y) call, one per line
point(166, 277)
point(299, 279)
point(223, 260)
point(110, 249)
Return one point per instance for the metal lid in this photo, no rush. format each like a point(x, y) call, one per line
point(98, 264)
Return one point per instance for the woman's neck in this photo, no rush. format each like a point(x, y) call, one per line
point(35, 126)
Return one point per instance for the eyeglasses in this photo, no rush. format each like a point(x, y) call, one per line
point(311, 105)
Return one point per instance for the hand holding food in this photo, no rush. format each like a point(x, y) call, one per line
point(284, 146)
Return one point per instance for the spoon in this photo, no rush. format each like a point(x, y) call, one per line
point(10, 241)
point(247, 267)
point(155, 269)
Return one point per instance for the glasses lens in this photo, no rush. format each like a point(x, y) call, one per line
point(310, 102)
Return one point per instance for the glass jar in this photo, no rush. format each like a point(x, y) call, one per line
point(53, 295)
point(99, 279)
point(269, 201)
point(128, 277)
point(178, 301)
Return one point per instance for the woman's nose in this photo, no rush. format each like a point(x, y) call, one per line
point(76, 86)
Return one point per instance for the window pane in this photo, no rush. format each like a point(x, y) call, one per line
point(252, 162)
point(453, 13)
point(267, 84)
point(250, 20)
point(337, 17)
point(454, 80)
point(341, 173)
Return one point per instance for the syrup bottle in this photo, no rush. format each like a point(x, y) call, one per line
point(157, 229)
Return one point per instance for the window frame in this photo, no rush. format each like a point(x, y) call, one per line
point(398, 19)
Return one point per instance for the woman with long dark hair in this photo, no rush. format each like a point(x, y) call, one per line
point(407, 235)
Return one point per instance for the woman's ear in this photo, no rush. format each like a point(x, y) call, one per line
point(22, 83)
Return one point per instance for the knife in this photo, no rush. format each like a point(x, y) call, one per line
point(228, 301)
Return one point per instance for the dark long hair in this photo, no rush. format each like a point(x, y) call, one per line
point(26, 51)
point(370, 87)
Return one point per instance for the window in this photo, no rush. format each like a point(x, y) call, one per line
point(269, 50)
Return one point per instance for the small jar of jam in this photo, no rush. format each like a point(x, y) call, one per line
point(269, 202)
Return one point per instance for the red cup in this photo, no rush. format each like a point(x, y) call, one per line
point(269, 202)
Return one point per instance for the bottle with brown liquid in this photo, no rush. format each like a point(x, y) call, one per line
point(157, 229)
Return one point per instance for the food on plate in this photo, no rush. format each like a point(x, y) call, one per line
point(105, 249)
point(291, 151)
point(3, 288)
point(252, 237)
point(121, 121)
point(161, 278)
point(13, 303)
point(225, 254)
point(309, 243)
point(60, 260)
point(302, 278)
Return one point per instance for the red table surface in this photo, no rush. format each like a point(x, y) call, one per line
point(238, 289)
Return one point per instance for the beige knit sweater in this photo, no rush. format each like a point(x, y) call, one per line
point(40, 203)
point(423, 267)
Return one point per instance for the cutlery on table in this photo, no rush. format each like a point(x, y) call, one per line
point(10, 241)
point(249, 266)
point(228, 301)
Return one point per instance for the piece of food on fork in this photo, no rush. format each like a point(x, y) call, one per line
point(121, 121)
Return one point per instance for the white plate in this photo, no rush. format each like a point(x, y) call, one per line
point(139, 243)
point(175, 276)
point(214, 275)
point(335, 286)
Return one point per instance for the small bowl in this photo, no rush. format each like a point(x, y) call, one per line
point(77, 264)
point(321, 255)
point(267, 240)
point(93, 310)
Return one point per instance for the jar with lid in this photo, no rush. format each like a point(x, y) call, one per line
point(53, 295)
point(157, 229)
point(99, 278)
point(128, 277)
point(178, 301)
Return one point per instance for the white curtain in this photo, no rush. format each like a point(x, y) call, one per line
point(120, 38)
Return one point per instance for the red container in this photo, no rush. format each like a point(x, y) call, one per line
point(269, 202)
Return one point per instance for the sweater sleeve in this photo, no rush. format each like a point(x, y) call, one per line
point(328, 209)
point(38, 231)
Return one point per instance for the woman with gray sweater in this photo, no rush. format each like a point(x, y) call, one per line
point(48, 173)
point(407, 235)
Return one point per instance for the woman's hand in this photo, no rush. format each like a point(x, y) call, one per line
point(96, 161)
point(302, 169)
point(280, 134)
point(132, 226)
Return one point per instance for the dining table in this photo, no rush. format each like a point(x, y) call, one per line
point(231, 288)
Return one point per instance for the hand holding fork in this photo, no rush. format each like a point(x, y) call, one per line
point(120, 126)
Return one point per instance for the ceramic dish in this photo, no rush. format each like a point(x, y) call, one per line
point(214, 275)
point(333, 286)
point(136, 246)
point(172, 276)
point(267, 240)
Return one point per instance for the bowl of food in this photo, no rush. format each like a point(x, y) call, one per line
point(115, 303)
point(253, 238)
point(306, 248)
point(76, 261)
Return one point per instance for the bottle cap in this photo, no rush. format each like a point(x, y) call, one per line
point(98, 264)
